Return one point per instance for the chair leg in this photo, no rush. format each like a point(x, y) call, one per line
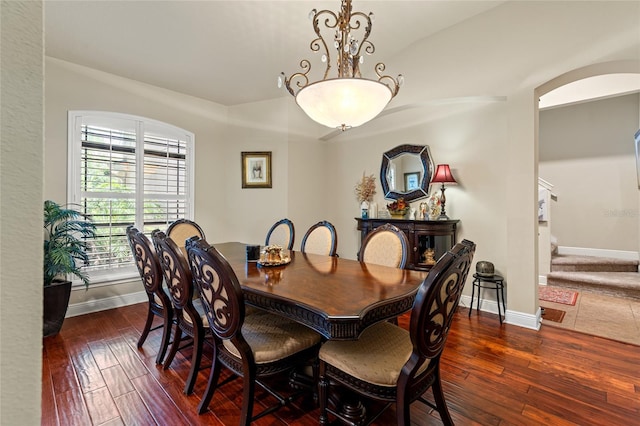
point(473, 292)
point(177, 337)
point(403, 412)
point(166, 337)
point(198, 338)
point(441, 404)
point(211, 384)
point(249, 381)
point(147, 327)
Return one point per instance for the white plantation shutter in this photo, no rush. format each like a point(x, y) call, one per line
point(127, 170)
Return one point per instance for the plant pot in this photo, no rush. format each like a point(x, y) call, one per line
point(55, 300)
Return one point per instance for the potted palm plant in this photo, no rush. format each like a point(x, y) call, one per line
point(65, 251)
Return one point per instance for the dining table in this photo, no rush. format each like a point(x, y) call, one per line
point(337, 297)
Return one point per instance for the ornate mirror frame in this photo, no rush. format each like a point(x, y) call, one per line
point(422, 151)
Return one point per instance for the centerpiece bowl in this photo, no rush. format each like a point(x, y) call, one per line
point(398, 209)
point(398, 214)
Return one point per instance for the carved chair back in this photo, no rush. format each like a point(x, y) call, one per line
point(436, 302)
point(321, 238)
point(281, 233)
point(152, 278)
point(386, 245)
point(219, 288)
point(148, 266)
point(183, 229)
point(177, 275)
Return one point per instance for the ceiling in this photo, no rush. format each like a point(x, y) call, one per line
point(228, 52)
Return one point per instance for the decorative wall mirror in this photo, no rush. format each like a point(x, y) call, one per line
point(406, 172)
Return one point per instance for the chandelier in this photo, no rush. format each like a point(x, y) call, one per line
point(347, 99)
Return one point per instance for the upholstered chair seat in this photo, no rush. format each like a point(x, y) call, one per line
point(377, 356)
point(272, 337)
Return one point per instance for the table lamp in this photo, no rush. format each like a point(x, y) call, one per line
point(443, 175)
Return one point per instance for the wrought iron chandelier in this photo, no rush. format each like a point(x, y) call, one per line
point(346, 100)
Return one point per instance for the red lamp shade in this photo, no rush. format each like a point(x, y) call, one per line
point(443, 175)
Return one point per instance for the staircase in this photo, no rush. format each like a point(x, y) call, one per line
point(616, 277)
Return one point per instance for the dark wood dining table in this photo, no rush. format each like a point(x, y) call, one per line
point(337, 297)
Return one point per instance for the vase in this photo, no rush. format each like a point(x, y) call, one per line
point(373, 211)
point(364, 210)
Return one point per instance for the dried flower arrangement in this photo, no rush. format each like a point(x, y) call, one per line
point(366, 188)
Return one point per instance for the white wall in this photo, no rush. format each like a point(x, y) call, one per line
point(21, 159)
point(460, 139)
point(587, 153)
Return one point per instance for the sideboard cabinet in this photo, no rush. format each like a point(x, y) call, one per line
point(428, 239)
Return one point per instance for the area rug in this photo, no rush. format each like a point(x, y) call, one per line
point(550, 314)
point(556, 295)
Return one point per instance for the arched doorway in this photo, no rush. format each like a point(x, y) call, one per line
point(597, 73)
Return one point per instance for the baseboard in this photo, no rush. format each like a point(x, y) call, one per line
point(105, 303)
point(524, 320)
point(613, 254)
point(520, 319)
point(542, 279)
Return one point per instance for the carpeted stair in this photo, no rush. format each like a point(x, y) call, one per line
point(615, 277)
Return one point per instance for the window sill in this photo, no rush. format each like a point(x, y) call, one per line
point(107, 278)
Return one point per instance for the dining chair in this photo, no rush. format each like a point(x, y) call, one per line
point(321, 238)
point(386, 245)
point(190, 317)
point(252, 347)
point(281, 233)
point(151, 275)
point(391, 364)
point(183, 229)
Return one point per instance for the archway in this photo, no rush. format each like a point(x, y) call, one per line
point(592, 73)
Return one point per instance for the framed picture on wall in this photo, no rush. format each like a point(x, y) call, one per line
point(411, 181)
point(256, 169)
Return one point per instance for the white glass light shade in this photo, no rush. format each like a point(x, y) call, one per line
point(343, 102)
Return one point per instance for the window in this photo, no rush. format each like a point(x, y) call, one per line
point(127, 170)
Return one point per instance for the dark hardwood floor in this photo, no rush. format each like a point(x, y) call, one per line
point(493, 375)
